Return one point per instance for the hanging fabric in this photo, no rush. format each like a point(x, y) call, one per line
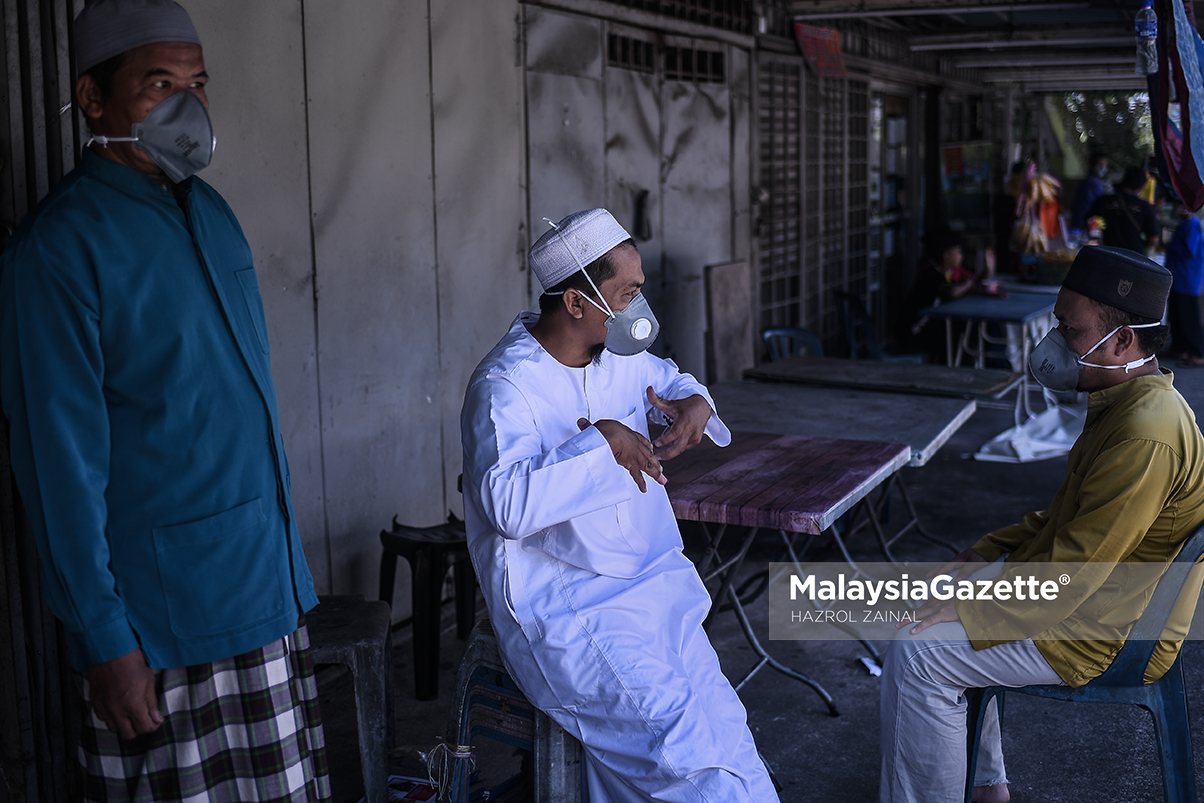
point(1179, 83)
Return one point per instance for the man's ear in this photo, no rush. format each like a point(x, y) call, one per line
point(574, 303)
point(1125, 339)
point(87, 94)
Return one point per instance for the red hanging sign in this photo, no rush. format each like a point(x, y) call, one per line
point(821, 46)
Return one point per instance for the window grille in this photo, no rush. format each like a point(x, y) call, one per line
point(780, 217)
point(630, 54)
point(729, 15)
point(833, 109)
point(860, 283)
point(699, 66)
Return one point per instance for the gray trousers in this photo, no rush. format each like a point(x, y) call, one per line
point(923, 711)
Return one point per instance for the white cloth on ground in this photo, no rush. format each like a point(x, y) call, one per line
point(597, 611)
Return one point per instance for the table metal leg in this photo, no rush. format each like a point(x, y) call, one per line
point(726, 572)
point(712, 551)
point(767, 660)
point(915, 520)
point(788, 540)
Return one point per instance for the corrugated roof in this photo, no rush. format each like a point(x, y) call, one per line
point(1040, 45)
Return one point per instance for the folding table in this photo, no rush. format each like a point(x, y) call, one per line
point(789, 483)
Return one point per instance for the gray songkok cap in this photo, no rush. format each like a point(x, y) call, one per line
point(107, 28)
point(1120, 278)
point(573, 243)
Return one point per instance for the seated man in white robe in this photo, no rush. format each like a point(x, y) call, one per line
point(598, 613)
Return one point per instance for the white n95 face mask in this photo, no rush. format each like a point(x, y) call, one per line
point(1057, 367)
point(177, 134)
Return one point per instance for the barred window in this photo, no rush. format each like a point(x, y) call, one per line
point(630, 54)
point(699, 66)
point(730, 15)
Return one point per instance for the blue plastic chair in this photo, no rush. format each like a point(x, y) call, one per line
point(790, 341)
point(854, 315)
point(1123, 682)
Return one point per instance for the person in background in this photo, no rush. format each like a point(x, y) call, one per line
point(1129, 222)
point(1185, 261)
point(1091, 189)
point(942, 276)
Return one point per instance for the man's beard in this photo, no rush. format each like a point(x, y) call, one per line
point(595, 353)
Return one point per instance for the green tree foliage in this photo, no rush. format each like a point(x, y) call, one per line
point(1112, 122)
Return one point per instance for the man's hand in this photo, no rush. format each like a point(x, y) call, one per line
point(123, 695)
point(935, 611)
point(962, 566)
point(688, 417)
point(632, 450)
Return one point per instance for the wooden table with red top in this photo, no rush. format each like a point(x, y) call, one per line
point(787, 483)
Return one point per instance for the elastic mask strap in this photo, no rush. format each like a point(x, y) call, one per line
point(607, 310)
point(103, 141)
point(1129, 366)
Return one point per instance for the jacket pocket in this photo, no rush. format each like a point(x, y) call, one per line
point(254, 300)
point(220, 574)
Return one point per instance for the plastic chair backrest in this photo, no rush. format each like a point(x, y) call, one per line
point(790, 341)
point(1128, 668)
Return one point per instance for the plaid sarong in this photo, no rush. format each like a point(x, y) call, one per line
point(246, 728)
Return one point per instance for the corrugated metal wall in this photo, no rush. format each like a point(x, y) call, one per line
point(373, 153)
point(617, 113)
point(37, 145)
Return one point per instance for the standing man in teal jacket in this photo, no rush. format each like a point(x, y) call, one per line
point(135, 377)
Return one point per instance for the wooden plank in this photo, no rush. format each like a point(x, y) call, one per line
point(931, 380)
point(729, 321)
point(792, 483)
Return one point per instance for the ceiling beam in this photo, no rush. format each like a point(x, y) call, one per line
point(1124, 85)
point(1041, 58)
point(903, 9)
point(1101, 72)
point(1111, 36)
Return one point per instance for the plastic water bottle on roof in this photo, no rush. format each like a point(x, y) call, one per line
point(1147, 39)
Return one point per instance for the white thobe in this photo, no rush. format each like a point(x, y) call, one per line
point(598, 613)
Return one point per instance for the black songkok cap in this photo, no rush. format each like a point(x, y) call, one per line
point(1120, 278)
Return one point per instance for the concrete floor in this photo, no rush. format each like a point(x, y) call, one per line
point(1055, 751)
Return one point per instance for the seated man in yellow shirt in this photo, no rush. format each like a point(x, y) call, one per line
point(1132, 494)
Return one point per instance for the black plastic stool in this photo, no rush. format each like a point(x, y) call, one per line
point(429, 551)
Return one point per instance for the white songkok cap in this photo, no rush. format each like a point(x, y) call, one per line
point(573, 243)
point(108, 28)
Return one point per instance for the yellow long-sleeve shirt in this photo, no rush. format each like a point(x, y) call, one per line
point(1133, 493)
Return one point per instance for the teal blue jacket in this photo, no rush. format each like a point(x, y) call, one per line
point(135, 376)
